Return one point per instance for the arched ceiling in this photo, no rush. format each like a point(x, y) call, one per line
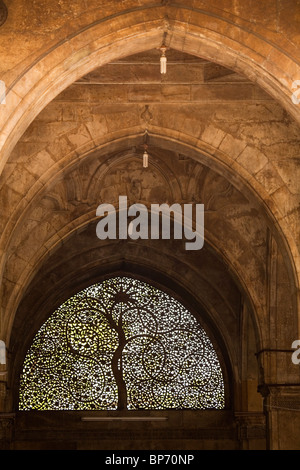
point(213, 138)
point(75, 40)
point(222, 130)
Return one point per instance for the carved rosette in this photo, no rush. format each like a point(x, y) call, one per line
point(3, 12)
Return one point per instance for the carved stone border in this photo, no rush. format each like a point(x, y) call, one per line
point(281, 397)
point(3, 12)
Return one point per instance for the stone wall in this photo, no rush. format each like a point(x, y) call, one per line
point(222, 130)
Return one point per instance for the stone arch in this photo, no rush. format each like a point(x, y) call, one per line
point(29, 91)
point(147, 270)
point(63, 63)
point(167, 139)
point(31, 269)
point(212, 146)
point(266, 56)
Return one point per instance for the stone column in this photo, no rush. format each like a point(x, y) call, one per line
point(4, 405)
point(282, 408)
point(3, 388)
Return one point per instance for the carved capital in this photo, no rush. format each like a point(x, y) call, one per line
point(285, 398)
point(3, 12)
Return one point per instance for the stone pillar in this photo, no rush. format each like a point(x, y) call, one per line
point(282, 407)
point(3, 389)
point(3, 378)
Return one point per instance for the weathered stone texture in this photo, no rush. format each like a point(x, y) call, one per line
point(83, 86)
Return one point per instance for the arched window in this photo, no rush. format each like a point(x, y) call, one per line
point(121, 344)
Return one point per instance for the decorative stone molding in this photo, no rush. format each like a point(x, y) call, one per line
point(3, 12)
point(283, 398)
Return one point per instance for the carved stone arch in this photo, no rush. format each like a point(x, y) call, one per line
point(3, 12)
point(94, 272)
point(248, 285)
point(132, 161)
point(163, 142)
point(189, 37)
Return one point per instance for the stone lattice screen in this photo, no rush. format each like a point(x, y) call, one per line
point(121, 344)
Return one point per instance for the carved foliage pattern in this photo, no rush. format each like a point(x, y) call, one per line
point(121, 344)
